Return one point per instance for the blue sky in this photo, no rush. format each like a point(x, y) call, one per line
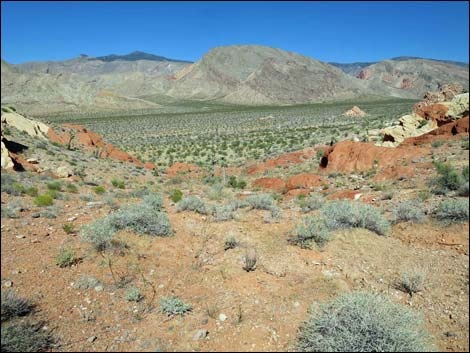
point(327, 31)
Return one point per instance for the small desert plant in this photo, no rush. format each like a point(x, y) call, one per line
point(192, 203)
point(86, 197)
point(261, 202)
point(99, 189)
point(133, 294)
point(172, 306)
point(412, 281)
point(452, 211)
point(25, 337)
point(120, 184)
point(154, 201)
point(54, 185)
point(68, 228)
point(449, 179)
point(312, 230)
point(230, 243)
point(223, 213)
point(66, 257)
point(360, 322)
point(99, 233)
point(14, 306)
point(250, 259)
point(409, 211)
point(347, 214)
point(43, 200)
point(424, 195)
point(12, 209)
point(176, 195)
point(310, 203)
point(142, 219)
point(31, 191)
point(71, 188)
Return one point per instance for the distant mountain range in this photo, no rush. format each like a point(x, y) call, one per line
point(354, 68)
point(238, 74)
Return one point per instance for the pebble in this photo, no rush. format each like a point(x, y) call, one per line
point(8, 284)
point(20, 236)
point(35, 215)
point(71, 219)
point(92, 339)
point(222, 317)
point(200, 334)
point(99, 288)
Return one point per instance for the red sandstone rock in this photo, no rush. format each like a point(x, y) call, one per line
point(304, 181)
point(275, 184)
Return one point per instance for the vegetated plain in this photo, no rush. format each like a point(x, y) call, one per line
point(208, 133)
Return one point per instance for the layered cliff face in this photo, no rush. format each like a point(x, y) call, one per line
point(412, 78)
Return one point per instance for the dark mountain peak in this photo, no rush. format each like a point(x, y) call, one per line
point(134, 56)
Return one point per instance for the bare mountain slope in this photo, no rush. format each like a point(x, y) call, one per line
point(413, 77)
point(250, 74)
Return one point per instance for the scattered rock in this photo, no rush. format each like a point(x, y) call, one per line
point(200, 334)
point(91, 339)
point(222, 317)
point(64, 172)
point(8, 284)
point(355, 112)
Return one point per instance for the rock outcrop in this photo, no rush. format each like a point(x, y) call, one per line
point(355, 112)
point(275, 184)
point(426, 119)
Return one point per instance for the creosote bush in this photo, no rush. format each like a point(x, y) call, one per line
point(176, 195)
point(172, 306)
point(99, 189)
point(192, 203)
point(360, 322)
point(347, 214)
point(120, 184)
point(450, 179)
point(44, 200)
point(66, 257)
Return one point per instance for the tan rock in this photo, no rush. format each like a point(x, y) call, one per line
point(31, 127)
point(355, 112)
point(64, 172)
point(7, 162)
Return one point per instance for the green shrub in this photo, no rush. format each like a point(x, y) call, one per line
point(54, 185)
point(312, 230)
point(120, 184)
point(348, 214)
point(261, 201)
point(12, 209)
point(412, 282)
point(310, 203)
point(176, 195)
point(99, 189)
point(13, 305)
point(409, 211)
point(452, 211)
point(192, 203)
point(154, 201)
point(230, 243)
point(43, 200)
point(172, 306)
point(65, 257)
point(31, 191)
point(142, 219)
point(99, 233)
point(25, 337)
point(449, 179)
point(360, 322)
point(133, 294)
point(68, 228)
point(71, 188)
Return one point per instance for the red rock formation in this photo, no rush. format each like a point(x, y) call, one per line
point(453, 130)
point(275, 184)
point(304, 181)
point(284, 159)
point(344, 194)
point(434, 112)
point(445, 93)
point(348, 156)
point(296, 192)
point(364, 74)
point(180, 168)
point(90, 140)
